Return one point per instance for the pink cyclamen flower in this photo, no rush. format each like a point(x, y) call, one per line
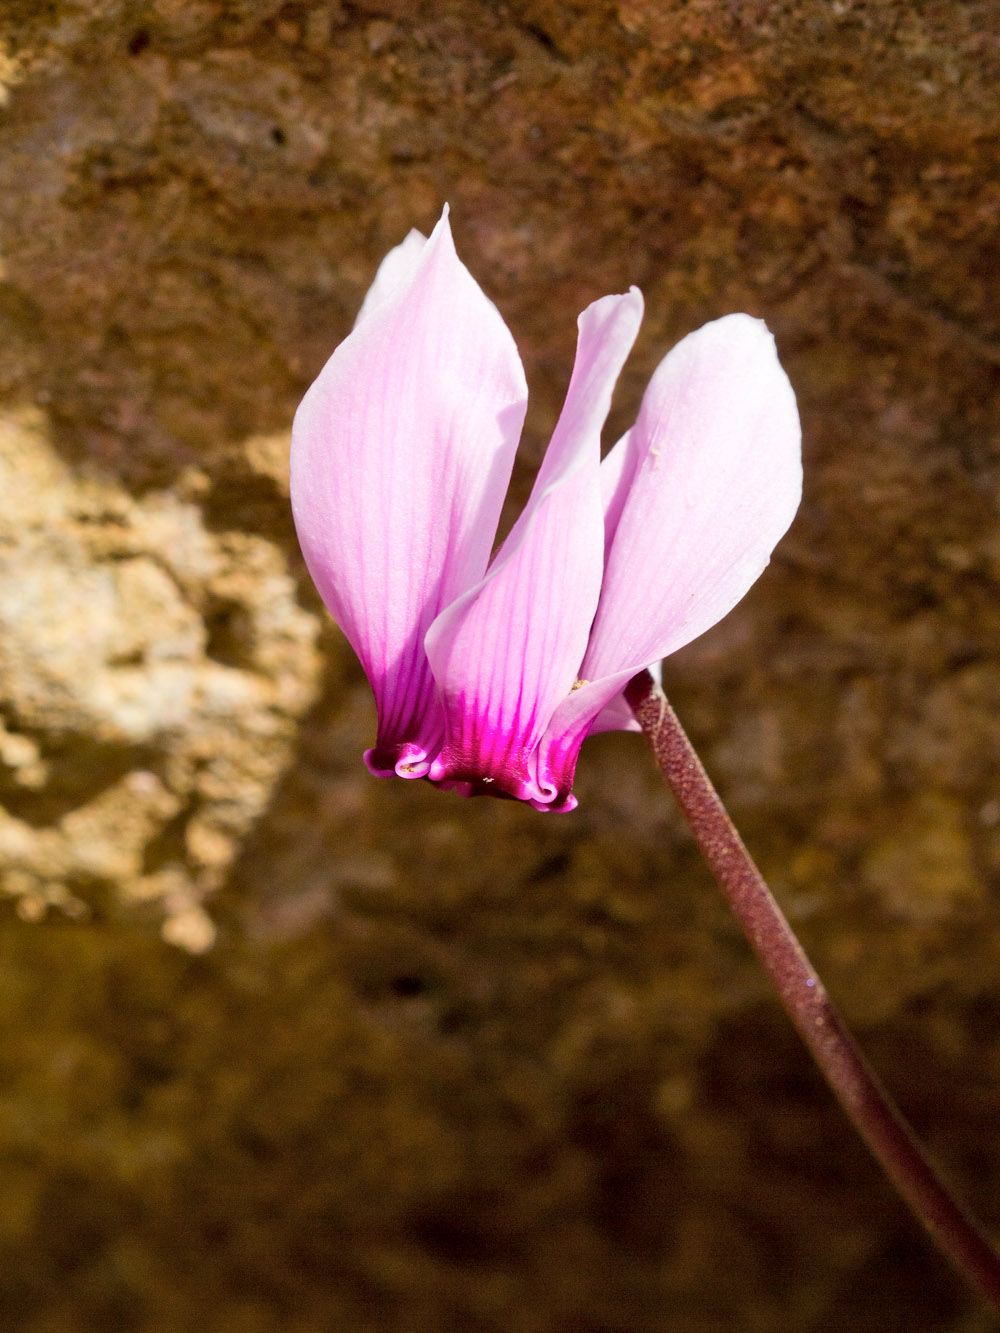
point(489, 674)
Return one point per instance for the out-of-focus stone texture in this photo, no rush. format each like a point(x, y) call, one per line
point(152, 677)
point(456, 1066)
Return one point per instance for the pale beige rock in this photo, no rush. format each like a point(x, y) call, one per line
point(106, 668)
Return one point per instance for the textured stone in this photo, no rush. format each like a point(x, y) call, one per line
point(455, 1065)
point(152, 676)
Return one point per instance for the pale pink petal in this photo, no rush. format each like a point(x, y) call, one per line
point(717, 478)
point(401, 454)
point(395, 271)
point(507, 653)
point(698, 493)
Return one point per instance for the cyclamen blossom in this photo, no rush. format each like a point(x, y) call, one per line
point(488, 675)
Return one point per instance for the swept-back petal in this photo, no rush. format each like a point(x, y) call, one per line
point(716, 480)
point(697, 495)
point(508, 652)
point(401, 455)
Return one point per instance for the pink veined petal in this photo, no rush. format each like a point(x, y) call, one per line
point(698, 493)
point(395, 271)
point(401, 454)
point(507, 653)
point(717, 481)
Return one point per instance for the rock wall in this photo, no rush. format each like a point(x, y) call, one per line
point(286, 1048)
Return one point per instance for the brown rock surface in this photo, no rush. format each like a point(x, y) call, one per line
point(453, 1065)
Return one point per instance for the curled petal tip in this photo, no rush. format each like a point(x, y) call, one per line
point(399, 761)
point(561, 807)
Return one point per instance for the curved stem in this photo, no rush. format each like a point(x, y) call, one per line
point(856, 1085)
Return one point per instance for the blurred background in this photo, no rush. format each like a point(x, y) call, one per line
point(285, 1048)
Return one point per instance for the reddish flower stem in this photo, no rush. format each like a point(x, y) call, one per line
point(856, 1085)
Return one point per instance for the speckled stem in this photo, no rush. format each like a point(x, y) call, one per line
point(861, 1094)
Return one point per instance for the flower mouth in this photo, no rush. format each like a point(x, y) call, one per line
point(454, 772)
point(544, 797)
point(475, 787)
